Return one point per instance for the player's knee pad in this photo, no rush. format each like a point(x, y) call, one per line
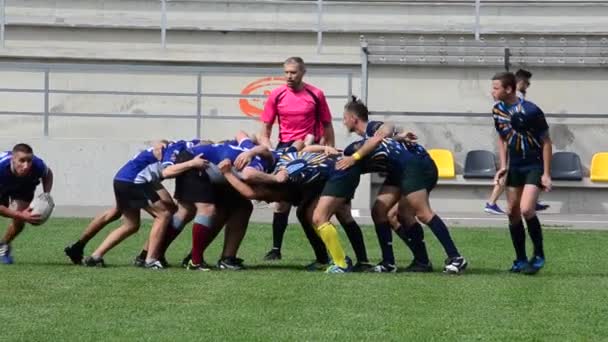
point(203, 220)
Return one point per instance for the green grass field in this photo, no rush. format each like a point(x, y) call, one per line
point(43, 297)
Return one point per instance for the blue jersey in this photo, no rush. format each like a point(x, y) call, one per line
point(174, 148)
point(373, 126)
point(9, 181)
point(306, 167)
point(523, 126)
point(215, 153)
point(143, 168)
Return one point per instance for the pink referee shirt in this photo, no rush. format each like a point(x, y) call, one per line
point(297, 112)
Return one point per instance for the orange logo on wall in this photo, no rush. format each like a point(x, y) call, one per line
point(263, 86)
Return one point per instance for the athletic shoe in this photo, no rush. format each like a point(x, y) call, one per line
point(541, 207)
point(416, 266)
point(333, 268)
point(362, 267)
point(5, 254)
point(203, 266)
point(518, 266)
point(163, 261)
point(384, 268)
point(316, 266)
point(93, 262)
point(273, 254)
point(230, 263)
point(74, 253)
point(493, 209)
point(139, 261)
point(534, 265)
point(186, 260)
point(455, 265)
point(154, 265)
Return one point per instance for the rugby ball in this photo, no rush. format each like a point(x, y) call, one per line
point(43, 205)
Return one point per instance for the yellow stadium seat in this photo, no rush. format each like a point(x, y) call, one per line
point(445, 162)
point(599, 167)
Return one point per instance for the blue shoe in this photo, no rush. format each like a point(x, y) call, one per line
point(5, 254)
point(519, 266)
point(541, 207)
point(534, 265)
point(333, 268)
point(493, 209)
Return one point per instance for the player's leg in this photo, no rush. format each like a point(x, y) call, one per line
point(280, 220)
point(418, 180)
point(131, 221)
point(411, 232)
point(529, 200)
point(75, 251)
point(14, 229)
point(355, 236)
point(236, 228)
point(184, 215)
point(386, 199)
point(324, 210)
point(515, 185)
point(162, 216)
point(169, 204)
point(304, 214)
point(491, 206)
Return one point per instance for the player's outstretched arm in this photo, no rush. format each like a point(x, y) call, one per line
point(47, 181)
point(368, 147)
point(177, 169)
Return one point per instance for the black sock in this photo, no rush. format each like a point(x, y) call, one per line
point(315, 242)
point(279, 225)
point(518, 236)
point(385, 238)
point(79, 245)
point(414, 239)
point(143, 254)
point(536, 235)
point(443, 235)
point(355, 236)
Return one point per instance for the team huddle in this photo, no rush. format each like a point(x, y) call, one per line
point(215, 183)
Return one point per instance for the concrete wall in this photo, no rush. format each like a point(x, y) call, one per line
point(85, 151)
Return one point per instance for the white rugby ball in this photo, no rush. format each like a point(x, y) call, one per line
point(43, 205)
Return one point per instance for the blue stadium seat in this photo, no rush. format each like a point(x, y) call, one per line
point(480, 164)
point(566, 166)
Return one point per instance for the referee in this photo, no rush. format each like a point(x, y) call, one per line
point(301, 111)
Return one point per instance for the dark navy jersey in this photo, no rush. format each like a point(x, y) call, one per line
point(389, 156)
point(306, 167)
point(523, 126)
point(374, 126)
point(9, 180)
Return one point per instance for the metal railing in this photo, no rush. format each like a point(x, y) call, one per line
point(198, 94)
point(320, 8)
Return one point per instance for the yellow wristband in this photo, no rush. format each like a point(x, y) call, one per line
point(357, 156)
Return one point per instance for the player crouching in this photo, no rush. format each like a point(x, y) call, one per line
point(20, 173)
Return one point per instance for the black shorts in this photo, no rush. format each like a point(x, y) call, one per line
point(194, 185)
point(284, 144)
point(517, 177)
point(23, 193)
point(303, 194)
point(419, 174)
point(134, 196)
